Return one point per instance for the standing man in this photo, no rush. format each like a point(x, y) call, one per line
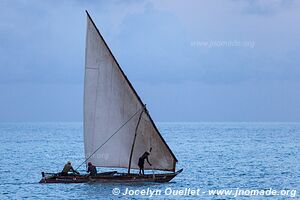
point(142, 161)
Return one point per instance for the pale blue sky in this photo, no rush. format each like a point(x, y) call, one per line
point(178, 55)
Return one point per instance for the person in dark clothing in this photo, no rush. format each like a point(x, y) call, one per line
point(68, 168)
point(92, 169)
point(142, 161)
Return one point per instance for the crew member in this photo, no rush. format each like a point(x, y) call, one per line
point(68, 168)
point(142, 161)
point(92, 169)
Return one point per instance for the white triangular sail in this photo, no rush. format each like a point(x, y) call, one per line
point(109, 101)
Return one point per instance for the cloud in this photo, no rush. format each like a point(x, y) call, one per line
point(43, 43)
point(276, 44)
point(265, 7)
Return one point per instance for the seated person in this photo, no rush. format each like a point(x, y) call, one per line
point(68, 168)
point(92, 169)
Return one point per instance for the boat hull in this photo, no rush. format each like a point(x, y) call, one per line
point(110, 177)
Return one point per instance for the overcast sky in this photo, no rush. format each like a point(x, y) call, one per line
point(230, 60)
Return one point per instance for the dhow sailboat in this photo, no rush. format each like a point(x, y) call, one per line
point(118, 129)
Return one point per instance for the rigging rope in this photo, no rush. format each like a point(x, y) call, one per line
point(111, 136)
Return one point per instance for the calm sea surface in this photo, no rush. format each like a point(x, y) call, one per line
point(213, 155)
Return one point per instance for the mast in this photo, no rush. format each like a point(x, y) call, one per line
point(135, 133)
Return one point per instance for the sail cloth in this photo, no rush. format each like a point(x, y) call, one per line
point(109, 101)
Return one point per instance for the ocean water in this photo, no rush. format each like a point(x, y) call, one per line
point(247, 156)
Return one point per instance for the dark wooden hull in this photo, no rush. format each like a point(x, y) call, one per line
point(109, 177)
